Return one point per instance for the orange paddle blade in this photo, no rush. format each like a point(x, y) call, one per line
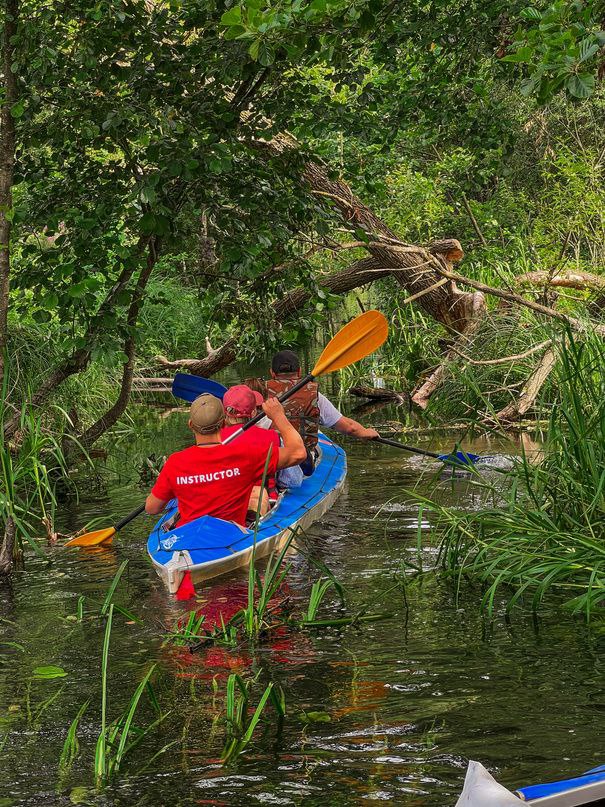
point(93, 538)
point(360, 337)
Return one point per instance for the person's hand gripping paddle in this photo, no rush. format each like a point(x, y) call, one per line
point(356, 340)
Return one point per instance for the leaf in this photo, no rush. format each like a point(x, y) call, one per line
point(232, 17)
point(153, 223)
point(253, 49)
point(581, 85)
point(266, 54)
point(588, 48)
point(18, 109)
point(234, 32)
point(41, 316)
point(78, 289)
point(531, 14)
point(524, 54)
point(48, 673)
point(315, 717)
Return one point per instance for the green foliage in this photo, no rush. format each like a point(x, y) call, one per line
point(560, 44)
point(544, 531)
point(30, 473)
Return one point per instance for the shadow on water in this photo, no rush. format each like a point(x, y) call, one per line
point(389, 711)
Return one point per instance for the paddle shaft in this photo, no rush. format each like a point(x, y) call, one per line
point(257, 418)
point(130, 517)
point(385, 441)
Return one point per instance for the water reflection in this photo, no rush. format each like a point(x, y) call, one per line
point(388, 711)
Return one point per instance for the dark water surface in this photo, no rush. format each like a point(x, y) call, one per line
point(406, 701)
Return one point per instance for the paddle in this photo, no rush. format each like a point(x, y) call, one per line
point(101, 536)
point(188, 387)
point(455, 458)
point(360, 337)
point(355, 341)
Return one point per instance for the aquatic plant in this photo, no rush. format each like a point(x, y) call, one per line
point(71, 746)
point(241, 725)
point(117, 739)
point(545, 531)
point(184, 633)
point(30, 468)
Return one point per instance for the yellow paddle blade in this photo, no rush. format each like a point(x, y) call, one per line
point(360, 337)
point(93, 538)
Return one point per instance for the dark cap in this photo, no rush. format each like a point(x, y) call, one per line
point(286, 361)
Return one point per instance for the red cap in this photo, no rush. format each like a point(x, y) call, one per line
point(241, 401)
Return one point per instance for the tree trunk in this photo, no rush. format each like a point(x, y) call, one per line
point(358, 274)
point(413, 267)
point(7, 548)
point(516, 409)
point(111, 417)
point(379, 394)
point(80, 359)
point(7, 163)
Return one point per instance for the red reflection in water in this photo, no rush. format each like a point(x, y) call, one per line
point(219, 605)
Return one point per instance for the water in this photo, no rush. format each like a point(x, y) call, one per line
point(406, 701)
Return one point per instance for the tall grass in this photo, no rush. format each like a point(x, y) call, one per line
point(30, 468)
point(118, 738)
point(546, 531)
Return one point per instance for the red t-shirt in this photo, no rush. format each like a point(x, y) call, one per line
point(258, 440)
point(214, 480)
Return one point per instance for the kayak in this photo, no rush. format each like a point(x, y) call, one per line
point(208, 547)
point(482, 790)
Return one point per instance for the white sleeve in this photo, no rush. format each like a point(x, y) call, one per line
point(328, 413)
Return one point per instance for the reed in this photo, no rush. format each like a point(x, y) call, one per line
point(241, 722)
point(545, 531)
point(31, 469)
point(118, 738)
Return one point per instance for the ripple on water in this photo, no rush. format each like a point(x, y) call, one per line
point(405, 701)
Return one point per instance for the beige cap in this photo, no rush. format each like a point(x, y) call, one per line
point(207, 414)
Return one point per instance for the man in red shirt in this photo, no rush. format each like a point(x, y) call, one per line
point(210, 478)
point(240, 403)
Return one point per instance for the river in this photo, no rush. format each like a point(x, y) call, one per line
point(389, 711)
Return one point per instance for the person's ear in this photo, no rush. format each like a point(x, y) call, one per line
point(299, 373)
point(272, 374)
point(190, 424)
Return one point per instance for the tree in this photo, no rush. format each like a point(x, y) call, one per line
point(9, 111)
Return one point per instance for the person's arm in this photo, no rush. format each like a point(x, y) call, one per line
point(153, 505)
point(293, 450)
point(351, 427)
point(330, 416)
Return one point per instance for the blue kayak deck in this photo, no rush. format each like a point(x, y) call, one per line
point(207, 540)
point(587, 784)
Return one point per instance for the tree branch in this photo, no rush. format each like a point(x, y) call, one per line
point(504, 359)
point(111, 417)
point(517, 298)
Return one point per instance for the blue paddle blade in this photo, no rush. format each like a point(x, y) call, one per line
point(188, 387)
point(459, 458)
